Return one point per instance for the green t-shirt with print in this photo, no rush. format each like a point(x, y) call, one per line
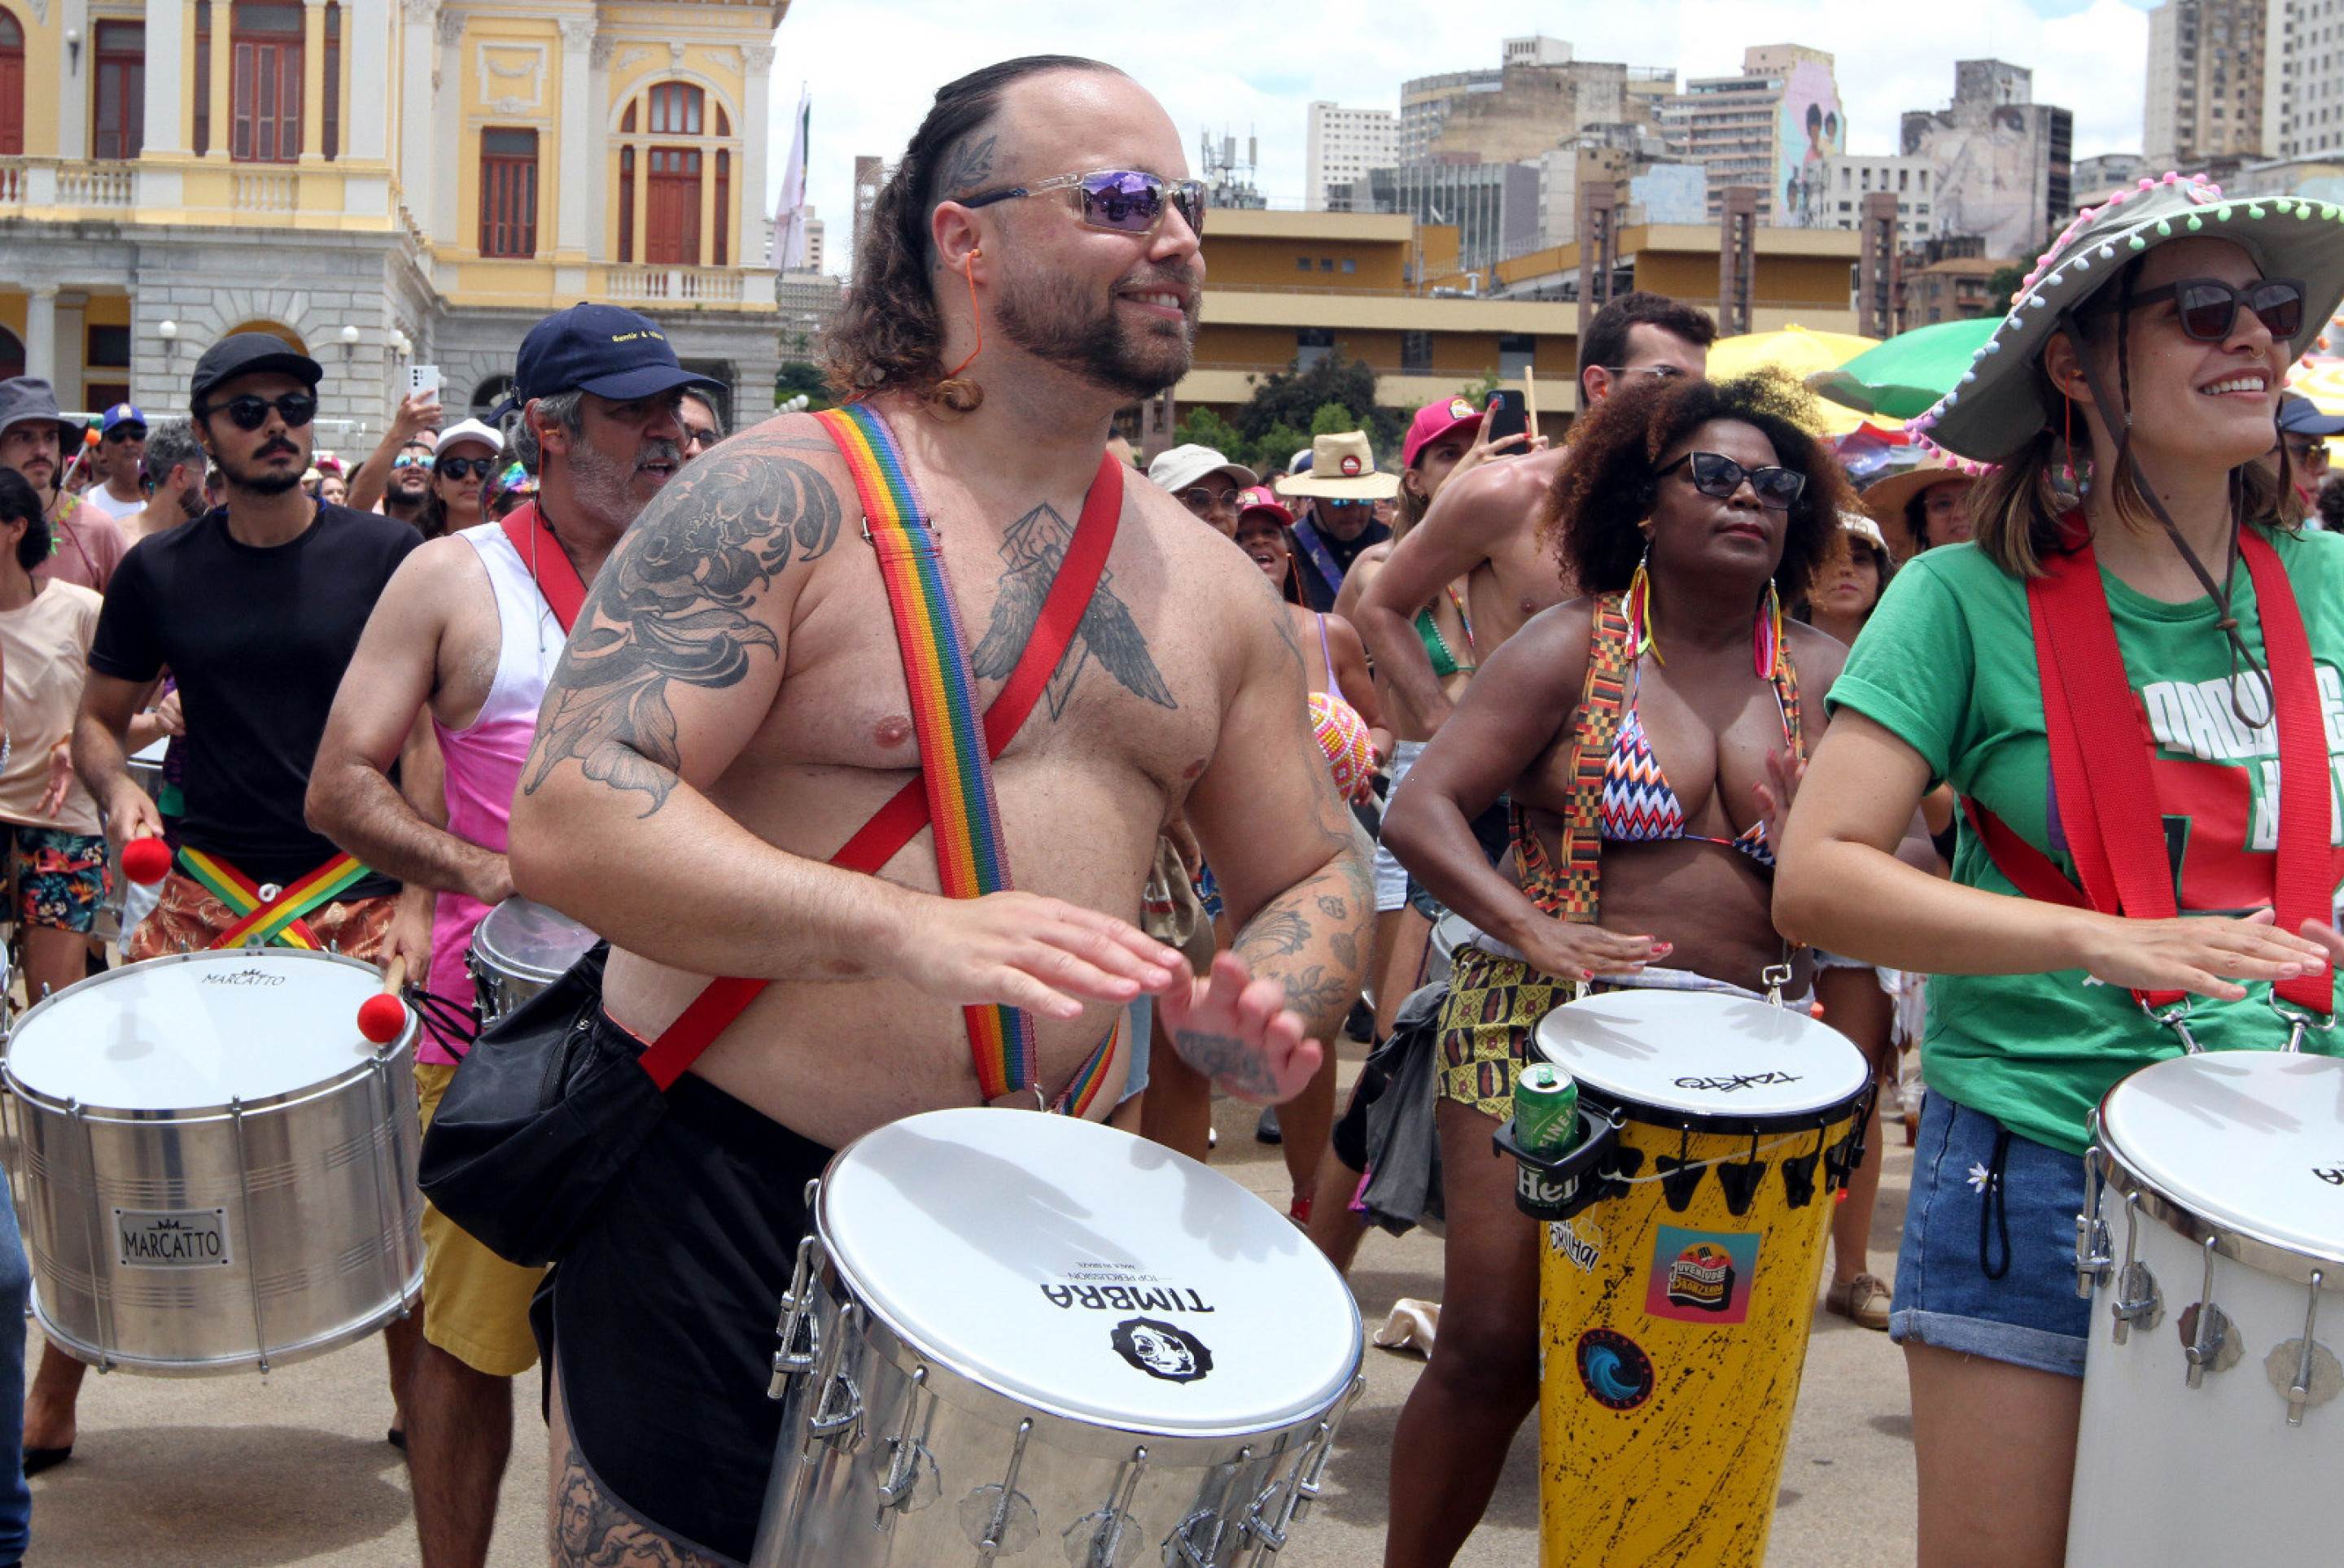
point(1947, 663)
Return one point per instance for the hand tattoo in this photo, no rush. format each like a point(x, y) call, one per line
point(1036, 546)
point(1226, 1059)
point(672, 604)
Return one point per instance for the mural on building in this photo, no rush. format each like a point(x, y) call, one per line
point(1986, 183)
point(1812, 127)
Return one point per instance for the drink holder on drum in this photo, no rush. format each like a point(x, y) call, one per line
point(909, 1470)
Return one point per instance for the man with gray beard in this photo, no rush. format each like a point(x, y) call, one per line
point(173, 468)
point(467, 633)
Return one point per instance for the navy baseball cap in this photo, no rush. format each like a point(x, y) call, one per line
point(248, 354)
point(121, 414)
point(600, 348)
point(2298, 416)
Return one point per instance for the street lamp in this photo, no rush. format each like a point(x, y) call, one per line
point(349, 340)
point(170, 334)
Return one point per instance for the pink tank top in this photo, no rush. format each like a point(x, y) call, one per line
point(484, 758)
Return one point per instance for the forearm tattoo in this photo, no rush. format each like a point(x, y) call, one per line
point(672, 605)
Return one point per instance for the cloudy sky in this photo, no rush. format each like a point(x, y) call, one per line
point(873, 66)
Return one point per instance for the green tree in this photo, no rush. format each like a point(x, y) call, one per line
point(1203, 428)
point(1332, 419)
point(1479, 393)
point(1292, 398)
point(2006, 282)
point(800, 376)
point(1276, 449)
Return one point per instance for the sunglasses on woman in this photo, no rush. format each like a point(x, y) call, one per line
point(462, 469)
point(250, 411)
point(2208, 307)
point(1120, 201)
point(1714, 473)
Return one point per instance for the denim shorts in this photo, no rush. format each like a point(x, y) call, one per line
point(1987, 1265)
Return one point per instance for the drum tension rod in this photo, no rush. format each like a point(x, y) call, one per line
point(902, 1476)
point(2212, 1328)
point(2129, 1308)
point(990, 1547)
point(2091, 1233)
point(2298, 1392)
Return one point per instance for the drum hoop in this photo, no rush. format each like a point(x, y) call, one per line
point(322, 1344)
point(2242, 1244)
point(905, 1349)
point(1624, 1107)
point(46, 1100)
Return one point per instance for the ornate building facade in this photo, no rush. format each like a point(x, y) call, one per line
point(384, 183)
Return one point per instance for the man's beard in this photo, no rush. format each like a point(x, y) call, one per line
point(260, 481)
point(1052, 319)
point(191, 502)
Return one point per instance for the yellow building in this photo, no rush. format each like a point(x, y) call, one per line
point(381, 182)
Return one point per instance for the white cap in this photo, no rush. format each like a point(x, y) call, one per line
point(471, 431)
point(1182, 467)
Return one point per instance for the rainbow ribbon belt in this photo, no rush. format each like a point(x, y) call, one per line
point(266, 915)
point(957, 774)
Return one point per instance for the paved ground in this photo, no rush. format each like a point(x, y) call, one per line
point(293, 1468)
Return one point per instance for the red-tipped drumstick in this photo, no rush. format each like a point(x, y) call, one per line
point(383, 1015)
point(146, 861)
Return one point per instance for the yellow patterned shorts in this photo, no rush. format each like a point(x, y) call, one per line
point(1493, 1009)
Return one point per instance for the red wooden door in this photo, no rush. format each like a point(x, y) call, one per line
point(671, 218)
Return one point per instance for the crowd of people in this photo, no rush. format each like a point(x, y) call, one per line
point(1669, 705)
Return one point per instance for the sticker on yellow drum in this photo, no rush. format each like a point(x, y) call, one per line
point(1675, 1306)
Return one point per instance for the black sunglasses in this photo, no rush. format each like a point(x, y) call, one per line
point(1714, 473)
point(250, 411)
point(126, 433)
point(699, 436)
point(465, 467)
point(2208, 307)
point(1123, 201)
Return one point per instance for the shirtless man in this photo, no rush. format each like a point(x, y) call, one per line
point(732, 706)
point(465, 632)
point(1484, 528)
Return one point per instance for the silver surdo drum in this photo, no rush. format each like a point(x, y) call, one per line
point(1024, 1337)
point(218, 1168)
point(517, 950)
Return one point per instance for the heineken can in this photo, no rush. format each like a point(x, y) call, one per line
point(1546, 1110)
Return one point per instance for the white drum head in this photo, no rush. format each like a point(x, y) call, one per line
point(1702, 1053)
point(2252, 1140)
point(1088, 1273)
point(151, 754)
point(528, 939)
point(196, 1029)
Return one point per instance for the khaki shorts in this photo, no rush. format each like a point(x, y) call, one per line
point(475, 1304)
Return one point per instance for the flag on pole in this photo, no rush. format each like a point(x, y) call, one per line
point(790, 227)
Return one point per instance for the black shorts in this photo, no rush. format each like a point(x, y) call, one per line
point(662, 1317)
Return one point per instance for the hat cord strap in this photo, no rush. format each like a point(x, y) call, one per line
point(2218, 592)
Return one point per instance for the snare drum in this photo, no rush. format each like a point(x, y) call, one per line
point(146, 766)
point(2211, 1431)
point(517, 950)
point(1050, 1336)
point(1683, 1249)
point(218, 1168)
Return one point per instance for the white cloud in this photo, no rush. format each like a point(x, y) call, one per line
point(874, 64)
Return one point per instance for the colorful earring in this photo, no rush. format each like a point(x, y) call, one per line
point(1639, 606)
point(1766, 641)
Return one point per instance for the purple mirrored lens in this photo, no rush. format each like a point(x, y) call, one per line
point(1121, 198)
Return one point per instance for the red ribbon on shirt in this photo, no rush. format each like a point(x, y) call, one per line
point(557, 577)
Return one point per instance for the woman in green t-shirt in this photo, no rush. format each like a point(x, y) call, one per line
point(2140, 364)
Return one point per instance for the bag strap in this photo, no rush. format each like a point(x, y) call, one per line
point(1603, 698)
point(1321, 559)
point(897, 823)
point(2304, 881)
point(547, 562)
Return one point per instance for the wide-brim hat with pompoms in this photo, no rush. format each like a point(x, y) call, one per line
point(1999, 405)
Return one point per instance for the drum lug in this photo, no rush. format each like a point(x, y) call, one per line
point(908, 1459)
point(1001, 1521)
point(841, 1425)
point(2316, 1376)
point(2138, 1299)
point(1113, 1533)
point(2206, 1333)
point(2092, 1240)
point(1184, 1550)
point(797, 1322)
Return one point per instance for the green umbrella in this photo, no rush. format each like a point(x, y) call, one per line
point(1909, 373)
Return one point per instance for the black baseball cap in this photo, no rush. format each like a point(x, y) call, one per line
point(600, 348)
point(247, 354)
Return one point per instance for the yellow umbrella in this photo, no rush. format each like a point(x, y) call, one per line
point(1799, 354)
point(2323, 383)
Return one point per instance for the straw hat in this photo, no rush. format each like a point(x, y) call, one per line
point(1886, 499)
point(1342, 469)
point(1997, 407)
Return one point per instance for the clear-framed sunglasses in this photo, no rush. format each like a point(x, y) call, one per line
point(1120, 201)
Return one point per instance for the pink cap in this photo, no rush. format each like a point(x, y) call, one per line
point(1262, 498)
point(1434, 421)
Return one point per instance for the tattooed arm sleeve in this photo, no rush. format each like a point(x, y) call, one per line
point(1291, 860)
point(673, 664)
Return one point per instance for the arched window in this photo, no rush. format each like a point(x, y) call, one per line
point(12, 89)
point(670, 146)
point(675, 109)
point(488, 393)
point(276, 329)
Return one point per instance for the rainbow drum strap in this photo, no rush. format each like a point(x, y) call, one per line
point(958, 776)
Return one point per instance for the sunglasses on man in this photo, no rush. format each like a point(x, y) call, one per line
point(250, 411)
point(1714, 473)
point(125, 433)
point(1120, 201)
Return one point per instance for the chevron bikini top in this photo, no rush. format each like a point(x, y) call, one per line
point(1641, 807)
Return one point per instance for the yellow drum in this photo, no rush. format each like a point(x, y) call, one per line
point(1683, 1243)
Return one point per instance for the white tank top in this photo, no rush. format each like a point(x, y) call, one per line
point(529, 639)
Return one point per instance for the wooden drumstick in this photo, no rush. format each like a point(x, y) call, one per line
point(384, 1014)
point(1530, 400)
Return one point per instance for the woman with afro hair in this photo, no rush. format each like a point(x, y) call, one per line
point(1690, 513)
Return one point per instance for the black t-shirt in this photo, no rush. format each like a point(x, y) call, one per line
point(1315, 586)
point(257, 640)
